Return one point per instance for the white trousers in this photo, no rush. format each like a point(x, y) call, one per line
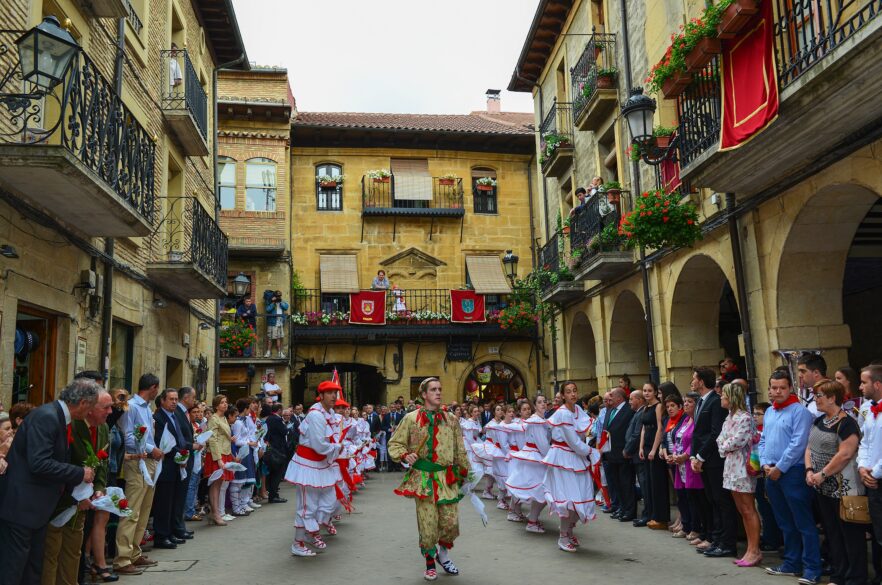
point(315, 506)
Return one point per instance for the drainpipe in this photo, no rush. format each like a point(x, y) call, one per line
point(654, 374)
point(109, 246)
point(217, 305)
point(743, 306)
point(533, 258)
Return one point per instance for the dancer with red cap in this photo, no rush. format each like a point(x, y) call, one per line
point(429, 440)
point(314, 471)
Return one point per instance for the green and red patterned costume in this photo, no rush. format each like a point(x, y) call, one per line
point(434, 480)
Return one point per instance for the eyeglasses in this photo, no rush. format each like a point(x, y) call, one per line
point(820, 395)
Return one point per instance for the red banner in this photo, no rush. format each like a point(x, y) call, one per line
point(466, 306)
point(367, 307)
point(749, 81)
point(670, 172)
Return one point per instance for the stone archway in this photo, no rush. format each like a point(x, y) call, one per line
point(583, 354)
point(820, 254)
point(704, 319)
point(627, 340)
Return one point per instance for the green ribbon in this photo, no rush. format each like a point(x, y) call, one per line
point(428, 466)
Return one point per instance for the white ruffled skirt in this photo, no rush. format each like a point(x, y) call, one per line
point(317, 474)
point(568, 484)
point(526, 477)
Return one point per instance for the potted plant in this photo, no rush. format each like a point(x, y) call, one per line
point(485, 184)
point(663, 135)
point(634, 153)
point(733, 15)
point(237, 338)
point(553, 141)
point(379, 175)
point(566, 227)
point(607, 240)
point(606, 78)
point(328, 181)
point(447, 180)
point(699, 41)
point(660, 220)
point(613, 191)
point(175, 256)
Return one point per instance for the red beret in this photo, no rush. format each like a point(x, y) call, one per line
point(341, 402)
point(328, 386)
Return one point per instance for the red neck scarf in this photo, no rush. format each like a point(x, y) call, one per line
point(424, 415)
point(792, 399)
point(876, 408)
point(672, 422)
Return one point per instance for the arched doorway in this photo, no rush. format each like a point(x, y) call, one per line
point(494, 380)
point(583, 353)
point(627, 340)
point(362, 384)
point(705, 323)
point(829, 284)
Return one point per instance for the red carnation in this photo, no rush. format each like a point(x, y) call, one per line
point(142, 429)
point(123, 504)
point(101, 454)
point(689, 221)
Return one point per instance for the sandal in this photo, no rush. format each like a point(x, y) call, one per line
point(448, 566)
point(106, 574)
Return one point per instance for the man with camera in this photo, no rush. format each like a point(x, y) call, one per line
point(275, 322)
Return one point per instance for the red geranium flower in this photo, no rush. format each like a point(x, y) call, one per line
point(123, 504)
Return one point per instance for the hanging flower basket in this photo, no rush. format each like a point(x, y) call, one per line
point(663, 141)
point(446, 182)
point(676, 84)
point(606, 81)
point(381, 179)
point(659, 220)
point(736, 17)
point(614, 196)
point(328, 184)
point(702, 54)
point(485, 187)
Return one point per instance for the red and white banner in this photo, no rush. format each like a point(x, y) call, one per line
point(367, 307)
point(670, 173)
point(466, 306)
point(749, 81)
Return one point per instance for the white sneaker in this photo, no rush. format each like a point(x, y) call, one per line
point(535, 528)
point(502, 505)
point(565, 545)
point(487, 495)
point(254, 505)
point(228, 518)
point(248, 508)
point(514, 517)
point(299, 549)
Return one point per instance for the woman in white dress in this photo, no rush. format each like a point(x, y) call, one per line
point(471, 429)
point(517, 439)
point(497, 449)
point(526, 477)
point(569, 490)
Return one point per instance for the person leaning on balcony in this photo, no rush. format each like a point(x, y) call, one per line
point(581, 195)
point(275, 323)
point(380, 282)
point(595, 185)
point(175, 75)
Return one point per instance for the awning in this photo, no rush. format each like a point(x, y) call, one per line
point(486, 276)
point(339, 273)
point(412, 179)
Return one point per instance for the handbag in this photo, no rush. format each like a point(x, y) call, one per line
point(754, 469)
point(275, 458)
point(854, 509)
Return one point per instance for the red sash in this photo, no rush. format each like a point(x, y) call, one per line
point(531, 446)
point(309, 454)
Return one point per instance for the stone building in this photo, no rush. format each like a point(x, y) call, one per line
point(428, 225)
point(801, 198)
point(113, 258)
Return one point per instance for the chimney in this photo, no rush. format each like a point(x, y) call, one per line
point(494, 104)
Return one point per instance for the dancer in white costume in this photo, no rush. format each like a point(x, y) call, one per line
point(526, 477)
point(471, 429)
point(497, 448)
point(569, 491)
point(517, 438)
point(314, 471)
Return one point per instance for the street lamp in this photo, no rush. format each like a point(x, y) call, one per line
point(511, 263)
point(241, 285)
point(639, 112)
point(45, 53)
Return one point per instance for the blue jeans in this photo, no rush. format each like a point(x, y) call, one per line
point(791, 501)
point(192, 489)
point(771, 534)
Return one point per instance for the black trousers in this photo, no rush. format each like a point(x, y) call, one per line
point(179, 526)
point(164, 498)
point(612, 485)
point(724, 514)
point(274, 479)
point(657, 473)
point(21, 554)
point(847, 542)
point(621, 475)
point(640, 471)
point(699, 511)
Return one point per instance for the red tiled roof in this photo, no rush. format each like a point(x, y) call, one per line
point(473, 123)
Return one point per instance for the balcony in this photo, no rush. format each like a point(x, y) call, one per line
point(829, 65)
point(556, 140)
point(594, 79)
point(77, 153)
point(411, 196)
point(595, 247)
point(189, 252)
point(560, 287)
point(418, 313)
point(107, 8)
point(232, 332)
point(184, 102)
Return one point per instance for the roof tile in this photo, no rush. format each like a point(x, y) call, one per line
point(476, 122)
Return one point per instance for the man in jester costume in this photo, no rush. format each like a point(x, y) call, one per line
point(430, 442)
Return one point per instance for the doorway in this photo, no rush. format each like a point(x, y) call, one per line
point(36, 335)
point(174, 372)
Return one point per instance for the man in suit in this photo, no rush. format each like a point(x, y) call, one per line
point(373, 419)
point(186, 401)
point(276, 457)
point(169, 487)
point(386, 429)
point(722, 521)
point(91, 438)
point(630, 452)
point(620, 472)
point(36, 478)
point(486, 414)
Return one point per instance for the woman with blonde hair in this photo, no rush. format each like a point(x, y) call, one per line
point(735, 442)
point(218, 453)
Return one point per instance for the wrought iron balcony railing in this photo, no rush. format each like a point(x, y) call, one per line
point(132, 17)
point(599, 211)
point(181, 89)
point(599, 56)
point(549, 254)
point(86, 117)
point(698, 109)
point(557, 127)
point(411, 195)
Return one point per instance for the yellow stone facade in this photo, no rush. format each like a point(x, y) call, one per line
point(42, 289)
point(806, 236)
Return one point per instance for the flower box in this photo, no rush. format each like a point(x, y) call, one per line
point(381, 179)
point(702, 54)
point(328, 184)
point(676, 84)
point(614, 195)
point(446, 182)
point(566, 230)
point(663, 141)
point(735, 18)
point(484, 187)
point(606, 82)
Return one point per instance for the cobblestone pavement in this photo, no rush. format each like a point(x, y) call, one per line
point(377, 545)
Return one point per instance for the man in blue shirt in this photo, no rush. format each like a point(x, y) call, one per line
point(782, 454)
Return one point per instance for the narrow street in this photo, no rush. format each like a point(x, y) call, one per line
point(377, 545)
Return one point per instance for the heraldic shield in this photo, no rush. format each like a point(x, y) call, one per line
point(466, 306)
point(367, 307)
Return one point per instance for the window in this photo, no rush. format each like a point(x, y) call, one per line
point(484, 194)
point(412, 183)
point(260, 184)
point(226, 181)
point(122, 342)
point(329, 197)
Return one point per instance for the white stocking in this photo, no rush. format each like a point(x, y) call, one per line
point(222, 499)
point(236, 497)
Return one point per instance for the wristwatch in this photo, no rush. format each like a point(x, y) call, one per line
point(823, 475)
